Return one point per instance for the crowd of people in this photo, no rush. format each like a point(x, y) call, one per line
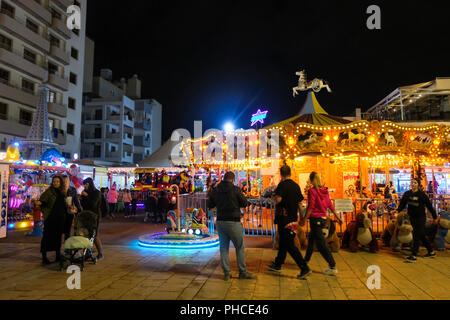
point(228, 199)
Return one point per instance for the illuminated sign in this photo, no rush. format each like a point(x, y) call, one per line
point(259, 116)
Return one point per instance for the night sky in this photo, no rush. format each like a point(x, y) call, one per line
point(222, 60)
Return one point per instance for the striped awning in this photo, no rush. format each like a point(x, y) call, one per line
point(312, 113)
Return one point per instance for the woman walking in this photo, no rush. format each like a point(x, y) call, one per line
point(112, 201)
point(91, 199)
point(54, 212)
point(126, 202)
point(417, 200)
point(318, 203)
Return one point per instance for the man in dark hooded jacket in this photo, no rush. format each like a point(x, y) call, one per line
point(228, 199)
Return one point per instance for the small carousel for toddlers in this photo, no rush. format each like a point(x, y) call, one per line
point(184, 230)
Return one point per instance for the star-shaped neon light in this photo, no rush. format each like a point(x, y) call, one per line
point(259, 116)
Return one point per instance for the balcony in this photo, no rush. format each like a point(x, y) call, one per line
point(14, 128)
point(16, 61)
point(146, 125)
point(60, 55)
point(11, 92)
point(60, 138)
point(57, 81)
point(127, 138)
point(19, 29)
point(63, 3)
point(128, 121)
point(141, 141)
point(113, 117)
point(138, 157)
point(35, 9)
point(60, 26)
point(127, 157)
point(57, 109)
point(113, 136)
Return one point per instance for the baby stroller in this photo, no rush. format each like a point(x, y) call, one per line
point(78, 248)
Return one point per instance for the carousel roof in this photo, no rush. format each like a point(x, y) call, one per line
point(313, 113)
point(161, 157)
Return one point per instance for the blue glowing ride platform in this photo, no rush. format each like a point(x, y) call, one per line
point(179, 240)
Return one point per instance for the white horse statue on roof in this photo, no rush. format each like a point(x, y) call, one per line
point(316, 84)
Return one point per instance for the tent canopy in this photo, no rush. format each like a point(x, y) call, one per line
point(161, 157)
point(313, 113)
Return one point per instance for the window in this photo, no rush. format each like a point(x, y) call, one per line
point(74, 53)
point(30, 56)
point(72, 103)
point(51, 97)
point(8, 9)
point(3, 111)
point(97, 151)
point(52, 68)
point(70, 128)
point(27, 86)
point(67, 155)
point(73, 78)
point(55, 14)
point(5, 43)
point(99, 114)
point(4, 76)
point(113, 148)
point(32, 26)
point(54, 41)
point(25, 117)
point(98, 133)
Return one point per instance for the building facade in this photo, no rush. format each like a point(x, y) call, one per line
point(415, 104)
point(118, 128)
point(37, 48)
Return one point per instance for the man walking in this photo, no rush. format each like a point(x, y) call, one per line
point(229, 199)
point(288, 197)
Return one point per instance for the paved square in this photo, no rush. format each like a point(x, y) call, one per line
point(132, 272)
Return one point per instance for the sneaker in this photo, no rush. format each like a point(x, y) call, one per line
point(304, 273)
point(430, 255)
point(411, 259)
point(227, 277)
point(274, 267)
point(247, 275)
point(330, 272)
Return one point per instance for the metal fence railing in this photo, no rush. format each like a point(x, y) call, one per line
point(258, 216)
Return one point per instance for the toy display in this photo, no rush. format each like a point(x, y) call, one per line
point(330, 235)
point(359, 234)
point(398, 232)
point(442, 235)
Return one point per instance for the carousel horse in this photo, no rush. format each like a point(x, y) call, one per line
point(316, 84)
point(390, 140)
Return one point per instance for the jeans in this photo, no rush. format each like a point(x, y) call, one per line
point(231, 230)
point(286, 244)
point(126, 208)
point(418, 225)
point(112, 208)
point(316, 237)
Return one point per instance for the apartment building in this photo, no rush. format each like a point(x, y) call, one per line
point(118, 128)
point(37, 48)
point(147, 128)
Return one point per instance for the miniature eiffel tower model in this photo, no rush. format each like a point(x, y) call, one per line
point(39, 137)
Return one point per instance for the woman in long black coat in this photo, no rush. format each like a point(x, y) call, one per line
point(54, 211)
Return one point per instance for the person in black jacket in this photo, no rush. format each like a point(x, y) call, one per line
point(93, 200)
point(228, 199)
point(417, 200)
point(288, 197)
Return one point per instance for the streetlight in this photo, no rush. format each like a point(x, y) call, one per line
point(228, 127)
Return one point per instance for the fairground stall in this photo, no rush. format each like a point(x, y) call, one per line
point(355, 160)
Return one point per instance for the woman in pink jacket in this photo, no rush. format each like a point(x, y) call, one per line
point(318, 203)
point(112, 200)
